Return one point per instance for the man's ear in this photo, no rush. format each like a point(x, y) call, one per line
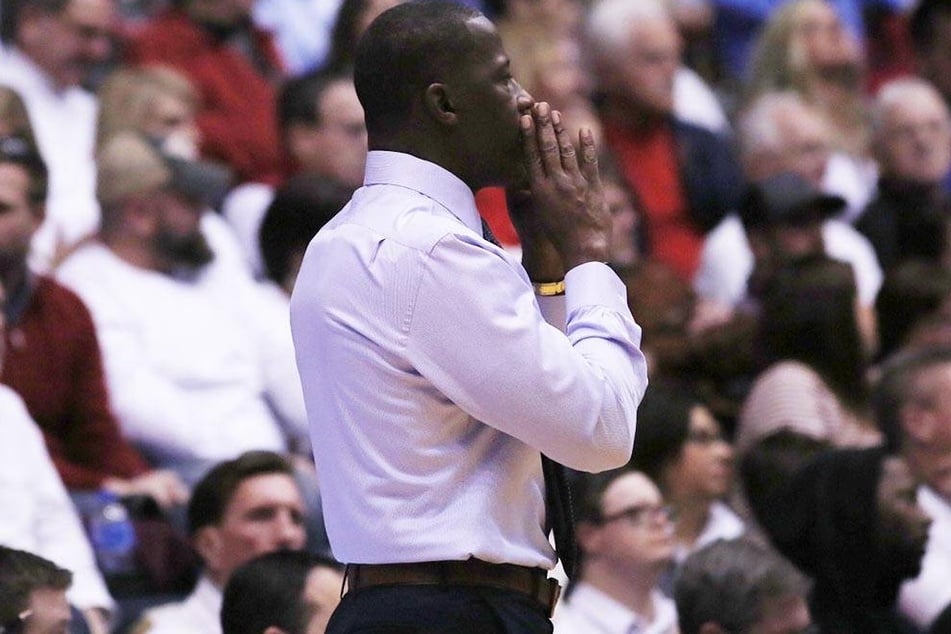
point(588, 536)
point(207, 542)
point(918, 423)
point(439, 104)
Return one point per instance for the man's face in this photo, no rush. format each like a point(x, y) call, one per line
point(934, 64)
point(914, 142)
point(781, 242)
point(337, 146)
point(49, 612)
point(645, 75)
point(903, 523)
point(782, 615)
point(178, 238)
point(636, 533)
point(266, 513)
point(704, 467)
point(488, 103)
point(927, 421)
point(321, 596)
point(805, 146)
point(19, 218)
point(69, 44)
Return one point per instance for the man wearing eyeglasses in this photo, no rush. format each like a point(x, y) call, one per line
point(626, 543)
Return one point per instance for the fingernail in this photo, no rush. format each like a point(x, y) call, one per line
point(525, 122)
point(555, 117)
point(542, 109)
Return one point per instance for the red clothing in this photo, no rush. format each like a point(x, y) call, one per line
point(238, 113)
point(648, 162)
point(53, 361)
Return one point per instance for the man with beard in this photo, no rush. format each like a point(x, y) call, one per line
point(190, 360)
point(45, 322)
point(850, 519)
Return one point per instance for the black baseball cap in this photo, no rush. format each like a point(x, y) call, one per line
point(786, 198)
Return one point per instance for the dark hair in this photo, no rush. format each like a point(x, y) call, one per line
point(728, 583)
point(268, 591)
point(298, 97)
point(773, 460)
point(20, 151)
point(21, 573)
point(910, 292)
point(922, 23)
point(897, 386)
point(406, 49)
point(587, 491)
point(213, 493)
point(12, 10)
point(300, 208)
point(808, 315)
point(663, 425)
point(587, 494)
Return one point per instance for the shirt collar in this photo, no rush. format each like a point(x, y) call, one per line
point(608, 614)
point(384, 167)
point(34, 77)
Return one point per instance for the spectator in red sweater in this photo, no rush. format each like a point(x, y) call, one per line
point(52, 356)
point(235, 68)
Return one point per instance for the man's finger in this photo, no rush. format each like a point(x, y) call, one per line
point(546, 139)
point(589, 157)
point(533, 162)
point(566, 150)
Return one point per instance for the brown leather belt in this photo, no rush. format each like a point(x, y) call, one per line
point(533, 582)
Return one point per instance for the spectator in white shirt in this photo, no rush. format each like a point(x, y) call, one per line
point(198, 367)
point(36, 513)
point(626, 542)
point(779, 133)
point(913, 406)
point(241, 509)
point(53, 48)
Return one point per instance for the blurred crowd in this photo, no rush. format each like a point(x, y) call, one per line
point(779, 175)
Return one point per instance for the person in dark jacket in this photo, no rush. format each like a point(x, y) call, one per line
point(850, 519)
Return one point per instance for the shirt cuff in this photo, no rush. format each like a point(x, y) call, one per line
point(594, 284)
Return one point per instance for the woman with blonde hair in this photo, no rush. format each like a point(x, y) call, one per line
point(155, 100)
point(804, 47)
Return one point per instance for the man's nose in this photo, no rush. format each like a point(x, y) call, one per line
point(524, 101)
